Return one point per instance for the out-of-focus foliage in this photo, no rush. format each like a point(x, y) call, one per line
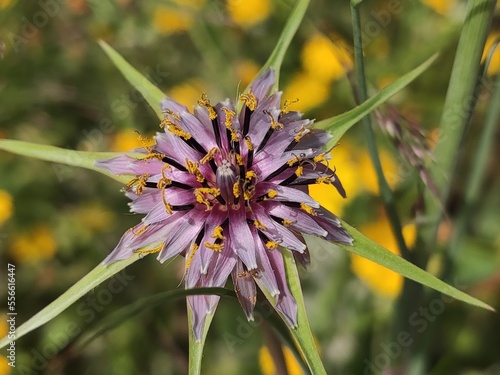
point(56, 223)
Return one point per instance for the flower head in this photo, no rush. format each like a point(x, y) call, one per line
point(225, 188)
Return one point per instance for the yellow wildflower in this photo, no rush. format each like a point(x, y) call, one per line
point(324, 59)
point(494, 62)
point(355, 171)
point(267, 364)
point(37, 245)
point(248, 13)
point(309, 91)
point(6, 206)
point(380, 279)
point(170, 20)
point(186, 93)
point(246, 71)
point(5, 3)
point(127, 140)
point(440, 6)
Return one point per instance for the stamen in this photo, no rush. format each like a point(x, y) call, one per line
point(155, 249)
point(218, 233)
point(209, 156)
point(217, 247)
point(287, 105)
point(194, 249)
point(308, 209)
point(174, 163)
point(139, 182)
point(193, 168)
point(272, 245)
point(206, 195)
point(236, 189)
point(206, 103)
point(259, 225)
point(250, 174)
point(250, 105)
point(250, 148)
point(272, 194)
point(140, 231)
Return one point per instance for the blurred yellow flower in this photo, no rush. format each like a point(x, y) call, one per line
point(324, 59)
point(193, 4)
point(310, 92)
point(5, 369)
point(95, 217)
point(247, 13)
point(6, 206)
point(5, 3)
point(127, 140)
point(494, 63)
point(246, 71)
point(170, 20)
point(187, 93)
point(355, 171)
point(378, 278)
point(440, 6)
point(267, 364)
point(36, 245)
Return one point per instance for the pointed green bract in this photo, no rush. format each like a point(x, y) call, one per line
point(368, 249)
point(338, 125)
point(95, 277)
point(82, 159)
point(152, 94)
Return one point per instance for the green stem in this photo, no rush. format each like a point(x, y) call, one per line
point(385, 190)
point(458, 107)
point(302, 333)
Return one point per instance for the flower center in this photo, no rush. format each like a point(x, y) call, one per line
point(227, 179)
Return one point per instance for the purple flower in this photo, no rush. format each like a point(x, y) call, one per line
point(224, 189)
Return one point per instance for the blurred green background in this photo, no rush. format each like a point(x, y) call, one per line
point(56, 223)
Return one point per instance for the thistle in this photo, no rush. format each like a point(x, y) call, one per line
point(226, 188)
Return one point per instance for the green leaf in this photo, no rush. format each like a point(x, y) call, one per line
point(74, 158)
point(95, 277)
point(368, 249)
point(338, 125)
point(293, 22)
point(302, 333)
point(152, 94)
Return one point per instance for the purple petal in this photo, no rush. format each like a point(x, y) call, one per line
point(245, 289)
point(261, 86)
point(241, 237)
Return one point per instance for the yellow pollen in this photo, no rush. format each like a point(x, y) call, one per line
point(229, 117)
point(194, 249)
point(218, 233)
point(259, 225)
point(272, 193)
point(236, 189)
point(287, 222)
point(249, 143)
point(205, 195)
point(140, 231)
point(324, 180)
point(206, 103)
point(293, 161)
point(242, 274)
point(299, 171)
point(287, 105)
point(320, 158)
point(139, 183)
point(192, 168)
point(239, 159)
point(275, 125)
point(209, 156)
point(250, 174)
point(177, 130)
point(300, 134)
point(150, 251)
point(249, 192)
point(214, 246)
point(154, 155)
point(249, 99)
point(164, 182)
point(172, 114)
point(271, 245)
point(308, 209)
